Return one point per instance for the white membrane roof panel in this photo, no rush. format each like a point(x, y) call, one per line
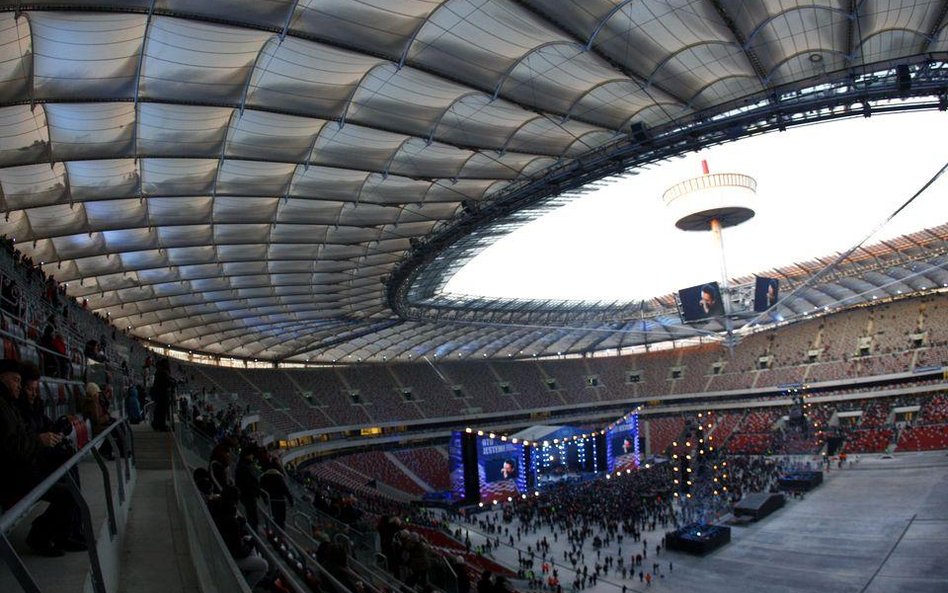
point(300, 150)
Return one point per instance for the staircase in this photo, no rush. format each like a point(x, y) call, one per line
point(152, 449)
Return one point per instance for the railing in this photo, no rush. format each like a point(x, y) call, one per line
point(221, 572)
point(216, 569)
point(63, 475)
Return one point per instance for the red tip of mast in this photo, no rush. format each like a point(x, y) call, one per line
point(704, 167)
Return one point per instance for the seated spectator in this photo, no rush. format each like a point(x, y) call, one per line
point(233, 530)
point(93, 352)
point(95, 407)
point(26, 459)
point(10, 298)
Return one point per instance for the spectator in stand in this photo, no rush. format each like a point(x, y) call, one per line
point(51, 293)
point(133, 405)
point(92, 409)
point(10, 298)
point(161, 393)
point(95, 407)
point(245, 478)
point(273, 482)
point(50, 362)
point(221, 458)
point(30, 403)
point(233, 530)
point(24, 456)
point(59, 347)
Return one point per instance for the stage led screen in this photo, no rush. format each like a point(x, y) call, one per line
point(501, 468)
point(766, 293)
point(622, 445)
point(701, 302)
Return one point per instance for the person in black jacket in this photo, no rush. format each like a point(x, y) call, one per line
point(245, 478)
point(24, 459)
point(161, 391)
point(233, 530)
point(273, 482)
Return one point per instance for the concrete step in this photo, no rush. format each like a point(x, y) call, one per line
point(152, 449)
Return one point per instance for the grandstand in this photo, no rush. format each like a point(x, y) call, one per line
point(261, 204)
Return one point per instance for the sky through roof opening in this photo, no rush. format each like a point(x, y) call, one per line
point(820, 189)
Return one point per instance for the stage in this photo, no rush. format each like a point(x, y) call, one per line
point(698, 539)
point(758, 505)
point(800, 481)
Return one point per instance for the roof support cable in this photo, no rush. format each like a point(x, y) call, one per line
point(253, 69)
point(289, 19)
point(845, 255)
point(138, 82)
point(937, 25)
point(414, 34)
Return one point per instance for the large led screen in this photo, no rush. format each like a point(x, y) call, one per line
point(622, 445)
point(501, 468)
point(701, 302)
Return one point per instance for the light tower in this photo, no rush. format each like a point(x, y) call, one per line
point(713, 202)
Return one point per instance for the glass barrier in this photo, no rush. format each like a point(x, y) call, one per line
point(216, 569)
point(64, 481)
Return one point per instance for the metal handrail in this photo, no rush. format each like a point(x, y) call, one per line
point(271, 524)
point(9, 517)
point(205, 515)
point(12, 515)
point(306, 558)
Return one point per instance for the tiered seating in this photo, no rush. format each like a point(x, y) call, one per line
point(895, 322)
point(698, 368)
point(380, 467)
point(936, 319)
point(480, 383)
point(935, 409)
point(433, 397)
point(613, 374)
point(873, 440)
point(655, 371)
point(353, 482)
point(749, 444)
point(794, 443)
point(476, 564)
point(755, 434)
point(527, 382)
point(840, 333)
point(216, 379)
point(761, 421)
point(935, 355)
point(791, 343)
point(663, 432)
point(429, 464)
point(875, 414)
point(724, 426)
point(832, 371)
point(330, 393)
point(729, 381)
point(569, 379)
point(379, 392)
point(924, 438)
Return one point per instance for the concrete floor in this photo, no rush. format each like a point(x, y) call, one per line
point(880, 526)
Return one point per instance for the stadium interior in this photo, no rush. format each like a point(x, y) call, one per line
point(230, 362)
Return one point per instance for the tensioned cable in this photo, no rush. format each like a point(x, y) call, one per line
point(845, 255)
